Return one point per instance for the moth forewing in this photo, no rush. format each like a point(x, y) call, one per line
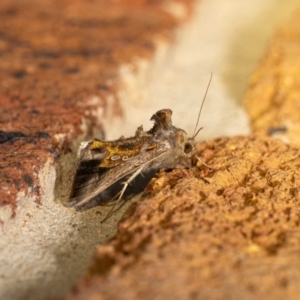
point(101, 164)
point(98, 180)
point(86, 171)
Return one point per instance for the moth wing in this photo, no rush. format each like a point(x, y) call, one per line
point(86, 167)
point(90, 180)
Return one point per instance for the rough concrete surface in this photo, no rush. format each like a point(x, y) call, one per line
point(47, 247)
point(272, 99)
point(230, 231)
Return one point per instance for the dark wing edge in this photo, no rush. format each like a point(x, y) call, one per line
point(90, 180)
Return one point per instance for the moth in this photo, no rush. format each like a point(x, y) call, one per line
point(100, 164)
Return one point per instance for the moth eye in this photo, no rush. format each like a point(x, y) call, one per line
point(188, 148)
point(125, 157)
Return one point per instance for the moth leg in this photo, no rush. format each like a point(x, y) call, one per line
point(121, 193)
point(205, 164)
point(127, 182)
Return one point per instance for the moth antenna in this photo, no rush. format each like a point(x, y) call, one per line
point(197, 132)
point(199, 114)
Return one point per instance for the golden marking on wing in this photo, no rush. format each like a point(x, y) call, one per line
point(151, 147)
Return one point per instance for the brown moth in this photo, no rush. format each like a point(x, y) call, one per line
point(100, 164)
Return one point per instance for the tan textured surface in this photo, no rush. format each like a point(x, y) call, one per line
point(46, 247)
point(227, 233)
point(273, 97)
point(231, 232)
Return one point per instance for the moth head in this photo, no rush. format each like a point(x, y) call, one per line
point(187, 144)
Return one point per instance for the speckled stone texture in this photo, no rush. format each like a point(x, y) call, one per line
point(230, 231)
point(226, 232)
point(273, 98)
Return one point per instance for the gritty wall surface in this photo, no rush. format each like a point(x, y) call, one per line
point(272, 98)
point(228, 231)
point(40, 245)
